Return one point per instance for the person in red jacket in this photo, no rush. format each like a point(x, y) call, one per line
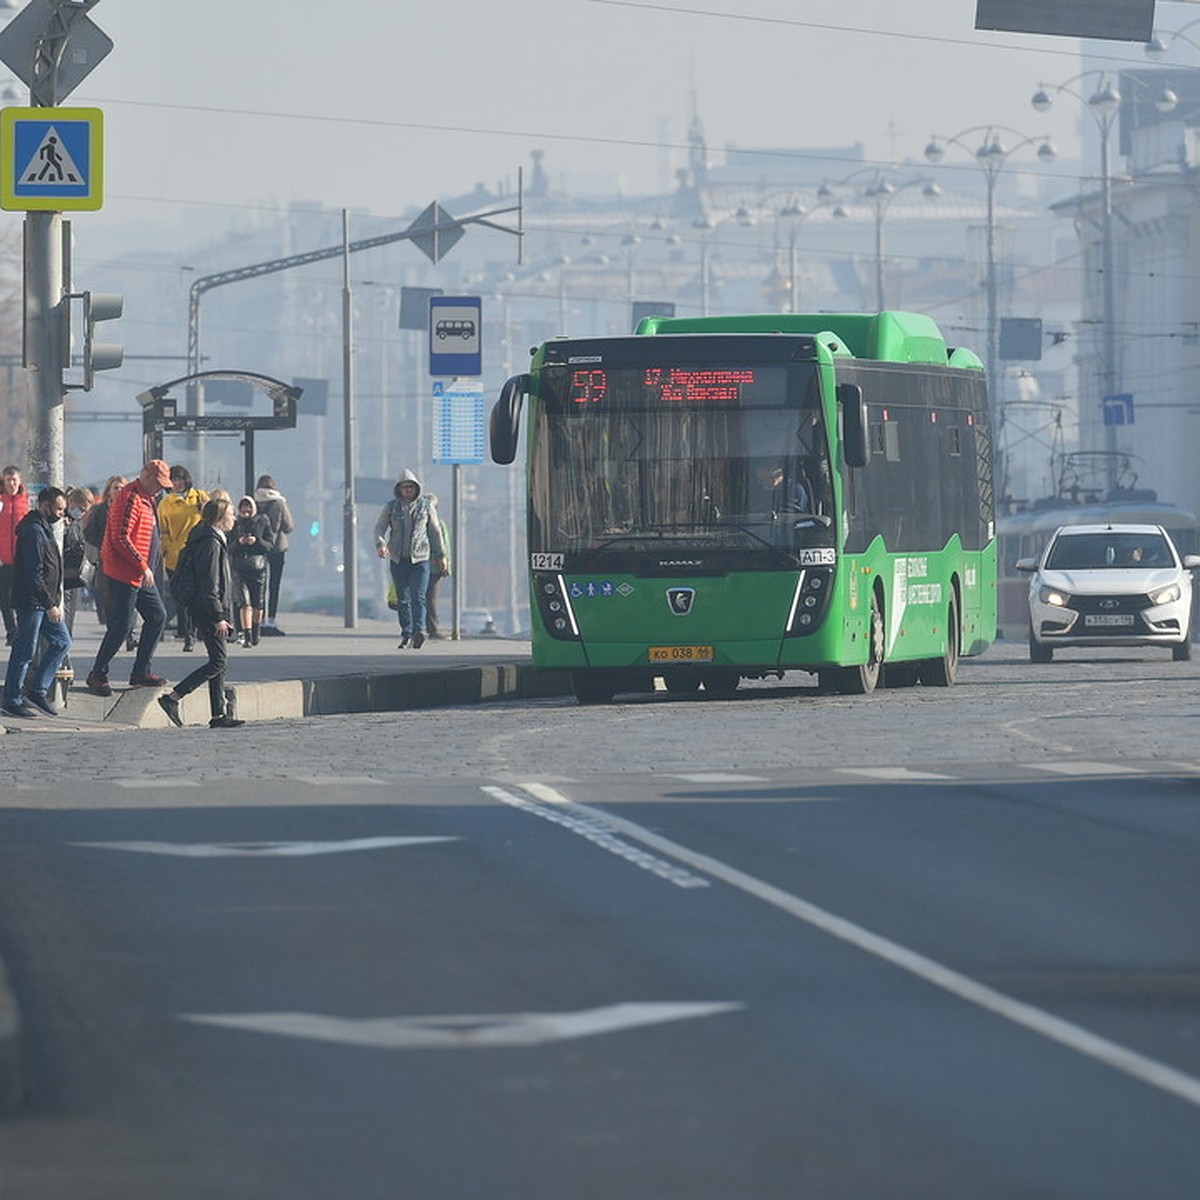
point(126, 558)
point(14, 504)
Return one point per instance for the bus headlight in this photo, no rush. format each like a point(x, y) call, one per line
point(550, 592)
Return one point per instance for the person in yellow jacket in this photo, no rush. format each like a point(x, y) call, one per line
point(178, 514)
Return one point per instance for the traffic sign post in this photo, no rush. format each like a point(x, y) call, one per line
point(455, 335)
point(51, 159)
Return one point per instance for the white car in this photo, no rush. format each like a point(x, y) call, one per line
point(1110, 585)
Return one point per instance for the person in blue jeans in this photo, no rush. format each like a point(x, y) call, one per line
point(408, 535)
point(37, 601)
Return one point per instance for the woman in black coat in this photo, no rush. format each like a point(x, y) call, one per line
point(205, 587)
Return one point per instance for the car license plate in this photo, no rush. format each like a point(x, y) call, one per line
point(1094, 619)
point(678, 654)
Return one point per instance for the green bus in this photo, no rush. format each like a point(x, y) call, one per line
point(720, 498)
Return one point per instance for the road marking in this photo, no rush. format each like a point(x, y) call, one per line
point(717, 777)
point(341, 780)
point(1065, 1033)
point(894, 774)
point(164, 784)
point(262, 849)
point(463, 1032)
point(1085, 768)
point(601, 835)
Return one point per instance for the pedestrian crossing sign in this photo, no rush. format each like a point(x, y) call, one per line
point(51, 158)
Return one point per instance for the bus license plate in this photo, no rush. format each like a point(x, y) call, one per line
point(1108, 619)
point(677, 654)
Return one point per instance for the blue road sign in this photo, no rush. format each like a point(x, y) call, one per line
point(51, 158)
point(1118, 409)
point(455, 335)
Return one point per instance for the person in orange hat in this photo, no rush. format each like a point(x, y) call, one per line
point(126, 558)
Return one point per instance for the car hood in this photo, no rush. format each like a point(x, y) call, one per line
point(1100, 582)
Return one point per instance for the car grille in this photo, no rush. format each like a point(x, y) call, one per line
point(1110, 604)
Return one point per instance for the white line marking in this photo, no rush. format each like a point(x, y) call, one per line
point(1084, 768)
point(341, 780)
point(1065, 1033)
point(717, 777)
point(896, 774)
point(457, 1032)
point(601, 835)
point(262, 849)
point(163, 784)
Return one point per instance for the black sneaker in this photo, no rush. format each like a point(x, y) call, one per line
point(418, 640)
point(188, 645)
point(225, 722)
point(20, 709)
point(404, 641)
point(170, 706)
point(41, 701)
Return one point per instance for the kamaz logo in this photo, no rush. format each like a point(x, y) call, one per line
point(680, 600)
point(680, 562)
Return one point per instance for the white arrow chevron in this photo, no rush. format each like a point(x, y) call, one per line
point(454, 1032)
point(262, 849)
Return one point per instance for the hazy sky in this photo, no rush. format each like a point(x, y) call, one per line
point(363, 104)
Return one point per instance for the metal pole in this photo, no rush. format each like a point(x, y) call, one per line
point(460, 549)
point(1110, 340)
point(44, 344)
point(879, 209)
point(349, 515)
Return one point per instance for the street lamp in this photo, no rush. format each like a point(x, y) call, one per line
point(991, 155)
point(1103, 104)
point(796, 214)
point(1161, 41)
point(707, 227)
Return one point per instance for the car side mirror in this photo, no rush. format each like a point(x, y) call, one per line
point(1030, 564)
point(1191, 562)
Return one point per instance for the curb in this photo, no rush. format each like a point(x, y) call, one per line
point(332, 695)
point(10, 1049)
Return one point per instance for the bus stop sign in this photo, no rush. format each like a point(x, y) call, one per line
point(455, 335)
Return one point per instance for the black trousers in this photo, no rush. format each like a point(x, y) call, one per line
point(211, 672)
point(7, 571)
point(275, 566)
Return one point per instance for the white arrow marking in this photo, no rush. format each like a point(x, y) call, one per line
point(262, 849)
point(455, 1032)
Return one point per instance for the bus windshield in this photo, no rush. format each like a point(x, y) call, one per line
point(662, 457)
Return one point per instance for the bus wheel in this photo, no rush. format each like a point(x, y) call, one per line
point(1037, 652)
point(681, 681)
point(721, 683)
point(942, 672)
point(858, 681)
point(593, 687)
point(900, 675)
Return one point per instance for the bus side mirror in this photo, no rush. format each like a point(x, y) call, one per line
point(855, 447)
point(505, 424)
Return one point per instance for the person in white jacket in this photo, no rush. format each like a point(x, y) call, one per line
point(409, 535)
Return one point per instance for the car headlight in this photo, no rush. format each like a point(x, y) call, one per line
point(1166, 595)
point(1049, 595)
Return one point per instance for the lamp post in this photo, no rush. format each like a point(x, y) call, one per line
point(796, 214)
point(991, 155)
point(708, 226)
point(1103, 104)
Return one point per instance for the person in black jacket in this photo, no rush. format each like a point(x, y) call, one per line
point(37, 601)
point(249, 545)
point(209, 606)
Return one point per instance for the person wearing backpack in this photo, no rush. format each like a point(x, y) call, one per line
point(178, 514)
point(272, 503)
point(202, 585)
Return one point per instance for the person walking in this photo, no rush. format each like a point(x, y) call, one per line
point(205, 590)
point(126, 559)
point(273, 504)
point(14, 504)
point(433, 627)
point(94, 525)
point(249, 546)
point(408, 538)
point(77, 571)
point(178, 514)
point(37, 599)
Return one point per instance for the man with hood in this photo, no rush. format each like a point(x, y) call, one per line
point(37, 598)
point(272, 503)
point(249, 544)
point(407, 537)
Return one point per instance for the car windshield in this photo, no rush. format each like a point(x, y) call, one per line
point(1104, 551)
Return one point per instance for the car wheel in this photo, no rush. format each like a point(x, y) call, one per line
point(1183, 651)
point(1037, 652)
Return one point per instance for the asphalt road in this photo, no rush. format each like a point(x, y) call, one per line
point(921, 944)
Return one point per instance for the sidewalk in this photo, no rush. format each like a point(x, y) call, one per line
point(318, 669)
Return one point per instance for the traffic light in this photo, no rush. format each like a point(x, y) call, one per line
point(100, 356)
